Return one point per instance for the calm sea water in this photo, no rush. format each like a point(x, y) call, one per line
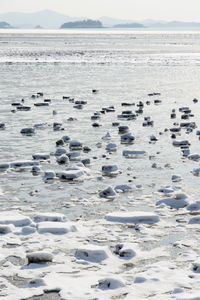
point(124, 66)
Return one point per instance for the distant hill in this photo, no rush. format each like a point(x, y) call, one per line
point(46, 18)
point(5, 25)
point(129, 25)
point(110, 22)
point(176, 24)
point(82, 24)
point(53, 20)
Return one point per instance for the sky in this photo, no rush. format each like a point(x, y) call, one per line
point(183, 10)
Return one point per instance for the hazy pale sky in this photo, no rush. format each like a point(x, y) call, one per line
point(186, 10)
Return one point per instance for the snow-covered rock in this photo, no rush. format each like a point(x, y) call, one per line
point(92, 253)
point(77, 172)
point(123, 188)
point(179, 200)
point(108, 193)
point(39, 257)
point(134, 154)
point(111, 170)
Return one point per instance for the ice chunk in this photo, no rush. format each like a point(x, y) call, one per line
point(23, 164)
point(133, 217)
point(179, 200)
point(55, 227)
point(15, 219)
point(52, 217)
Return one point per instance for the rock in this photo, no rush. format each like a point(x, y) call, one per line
point(39, 257)
point(75, 145)
point(27, 131)
point(4, 229)
point(86, 162)
point(23, 108)
point(108, 193)
point(181, 143)
point(49, 175)
point(60, 151)
point(195, 157)
point(134, 154)
point(4, 167)
point(110, 283)
point(107, 136)
point(196, 172)
point(41, 104)
point(127, 138)
point(35, 170)
point(57, 126)
point(123, 188)
point(41, 156)
point(92, 253)
point(2, 126)
point(176, 178)
point(111, 170)
point(194, 206)
point(125, 251)
point(194, 220)
point(167, 191)
point(74, 156)
point(111, 147)
point(123, 129)
point(63, 159)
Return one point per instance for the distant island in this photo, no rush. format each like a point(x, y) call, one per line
point(5, 25)
point(129, 25)
point(38, 27)
point(82, 24)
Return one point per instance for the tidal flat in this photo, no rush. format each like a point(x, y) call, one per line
point(99, 165)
